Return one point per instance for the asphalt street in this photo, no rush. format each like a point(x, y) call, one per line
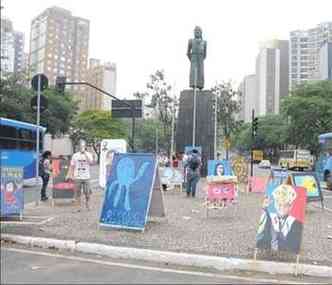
point(20, 265)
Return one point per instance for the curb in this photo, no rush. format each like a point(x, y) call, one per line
point(181, 259)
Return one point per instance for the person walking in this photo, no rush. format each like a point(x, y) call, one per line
point(79, 171)
point(193, 165)
point(45, 172)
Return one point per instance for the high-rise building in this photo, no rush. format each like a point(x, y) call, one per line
point(19, 63)
point(304, 52)
point(12, 49)
point(325, 61)
point(59, 46)
point(7, 47)
point(248, 100)
point(102, 76)
point(272, 69)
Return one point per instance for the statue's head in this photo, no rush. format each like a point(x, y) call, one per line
point(198, 32)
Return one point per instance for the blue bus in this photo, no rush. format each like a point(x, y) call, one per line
point(18, 146)
point(324, 165)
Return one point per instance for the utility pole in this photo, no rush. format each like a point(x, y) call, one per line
point(173, 126)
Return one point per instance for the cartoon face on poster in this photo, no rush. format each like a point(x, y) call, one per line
point(221, 191)
point(128, 191)
point(281, 224)
point(11, 190)
point(310, 182)
point(107, 150)
point(219, 168)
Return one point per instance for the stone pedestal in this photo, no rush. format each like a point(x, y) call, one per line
point(204, 123)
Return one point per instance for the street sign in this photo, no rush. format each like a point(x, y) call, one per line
point(43, 82)
point(227, 143)
point(121, 110)
point(43, 103)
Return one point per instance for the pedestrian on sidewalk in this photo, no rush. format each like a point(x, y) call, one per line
point(79, 171)
point(45, 170)
point(193, 165)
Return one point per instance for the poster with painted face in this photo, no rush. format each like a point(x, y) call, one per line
point(12, 197)
point(219, 168)
point(129, 190)
point(221, 191)
point(281, 224)
point(310, 182)
point(108, 148)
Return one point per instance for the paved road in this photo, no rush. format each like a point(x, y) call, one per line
point(19, 265)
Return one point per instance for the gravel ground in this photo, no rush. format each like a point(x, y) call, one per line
point(227, 232)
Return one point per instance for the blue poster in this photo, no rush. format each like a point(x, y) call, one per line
point(219, 168)
point(11, 186)
point(188, 149)
point(128, 191)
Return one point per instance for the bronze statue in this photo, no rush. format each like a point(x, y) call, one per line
point(196, 53)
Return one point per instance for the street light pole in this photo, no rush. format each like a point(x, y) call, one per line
point(37, 135)
point(194, 115)
point(215, 125)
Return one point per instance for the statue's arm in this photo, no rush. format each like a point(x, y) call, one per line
point(189, 49)
point(205, 44)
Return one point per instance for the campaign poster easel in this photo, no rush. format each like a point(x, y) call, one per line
point(310, 182)
point(280, 228)
point(132, 192)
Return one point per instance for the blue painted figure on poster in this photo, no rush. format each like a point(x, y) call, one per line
point(125, 171)
point(129, 191)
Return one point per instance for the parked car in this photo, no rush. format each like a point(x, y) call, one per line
point(264, 164)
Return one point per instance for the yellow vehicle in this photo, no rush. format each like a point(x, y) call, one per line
point(296, 159)
point(257, 155)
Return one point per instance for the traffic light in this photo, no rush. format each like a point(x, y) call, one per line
point(254, 126)
point(60, 82)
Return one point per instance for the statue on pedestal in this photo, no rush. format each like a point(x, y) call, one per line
point(196, 53)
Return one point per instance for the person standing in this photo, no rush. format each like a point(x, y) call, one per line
point(79, 171)
point(193, 172)
point(45, 172)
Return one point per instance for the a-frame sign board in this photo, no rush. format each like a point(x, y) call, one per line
point(132, 193)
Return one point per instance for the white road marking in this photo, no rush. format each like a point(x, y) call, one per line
point(150, 268)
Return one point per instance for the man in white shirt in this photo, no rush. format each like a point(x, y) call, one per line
point(80, 172)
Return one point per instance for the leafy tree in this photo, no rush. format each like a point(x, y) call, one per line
point(271, 134)
point(146, 136)
point(158, 95)
point(309, 113)
point(15, 104)
point(94, 126)
point(227, 106)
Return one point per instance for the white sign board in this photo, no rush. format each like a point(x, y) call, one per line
point(107, 149)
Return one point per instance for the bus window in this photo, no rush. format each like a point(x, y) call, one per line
point(8, 137)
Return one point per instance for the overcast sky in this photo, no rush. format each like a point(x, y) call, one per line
point(141, 36)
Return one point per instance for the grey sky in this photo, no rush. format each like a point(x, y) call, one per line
point(144, 35)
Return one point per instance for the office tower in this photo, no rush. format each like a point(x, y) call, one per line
point(304, 52)
point(7, 47)
point(248, 100)
point(59, 46)
point(325, 61)
point(102, 76)
point(272, 69)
